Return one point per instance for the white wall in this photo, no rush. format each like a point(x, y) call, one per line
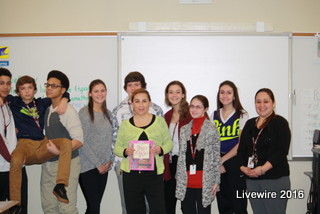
point(18, 16)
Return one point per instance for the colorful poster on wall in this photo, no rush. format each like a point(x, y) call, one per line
point(4, 63)
point(4, 52)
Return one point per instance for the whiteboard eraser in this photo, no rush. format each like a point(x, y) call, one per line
point(260, 26)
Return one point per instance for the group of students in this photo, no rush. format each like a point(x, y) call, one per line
point(23, 119)
point(196, 157)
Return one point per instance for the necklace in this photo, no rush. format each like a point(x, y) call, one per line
point(196, 131)
point(6, 123)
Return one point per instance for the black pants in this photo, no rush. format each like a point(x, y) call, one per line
point(137, 186)
point(192, 202)
point(5, 192)
point(93, 184)
point(170, 188)
point(231, 182)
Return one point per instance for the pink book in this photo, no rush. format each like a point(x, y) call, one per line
point(142, 159)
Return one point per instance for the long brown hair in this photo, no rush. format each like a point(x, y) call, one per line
point(184, 106)
point(204, 102)
point(104, 104)
point(236, 101)
point(271, 95)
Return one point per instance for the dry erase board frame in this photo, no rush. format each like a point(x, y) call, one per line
point(82, 56)
point(203, 60)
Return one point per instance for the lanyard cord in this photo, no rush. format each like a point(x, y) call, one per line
point(6, 125)
point(193, 150)
point(34, 115)
point(254, 141)
point(174, 131)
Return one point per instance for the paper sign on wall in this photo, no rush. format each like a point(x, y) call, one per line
point(4, 52)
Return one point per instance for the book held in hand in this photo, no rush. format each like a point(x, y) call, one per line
point(142, 159)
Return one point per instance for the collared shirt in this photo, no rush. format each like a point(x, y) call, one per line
point(6, 120)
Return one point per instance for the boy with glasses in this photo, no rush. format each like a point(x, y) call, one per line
point(68, 126)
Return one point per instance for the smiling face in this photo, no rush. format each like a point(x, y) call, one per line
point(197, 109)
point(141, 104)
point(5, 86)
point(98, 94)
point(27, 92)
point(175, 94)
point(226, 95)
point(264, 104)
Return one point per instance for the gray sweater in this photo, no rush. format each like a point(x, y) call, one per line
point(98, 140)
point(209, 140)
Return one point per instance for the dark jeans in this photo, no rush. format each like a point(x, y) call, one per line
point(4, 189)
point(93, 184)
point(192, 203)
point(231, 182)
point(137, 186)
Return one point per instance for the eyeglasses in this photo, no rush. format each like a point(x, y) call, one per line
point(54, 86)
point(196, 107)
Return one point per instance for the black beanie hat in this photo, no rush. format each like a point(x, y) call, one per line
point(60, 76)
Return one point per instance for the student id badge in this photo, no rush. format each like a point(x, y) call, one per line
point(193, 169)
point(250, 162)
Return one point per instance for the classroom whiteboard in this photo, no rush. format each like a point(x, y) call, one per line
point(203, 61)
point(82, 58)
point(306, 87)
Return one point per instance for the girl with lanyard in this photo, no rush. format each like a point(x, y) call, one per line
point(263, 150)
point(198, 174)
point(178, 116)
point(230, 118)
